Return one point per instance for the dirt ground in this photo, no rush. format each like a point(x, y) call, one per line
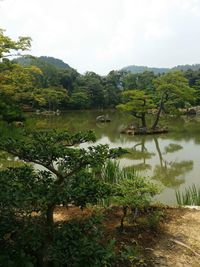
point(179, 243)
point(175, 243)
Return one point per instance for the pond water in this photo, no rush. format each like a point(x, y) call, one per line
point(172, 160)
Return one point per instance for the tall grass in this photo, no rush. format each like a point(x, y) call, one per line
point(113, 174)
point(190, 197)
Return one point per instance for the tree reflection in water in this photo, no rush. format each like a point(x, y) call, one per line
point(169, 173)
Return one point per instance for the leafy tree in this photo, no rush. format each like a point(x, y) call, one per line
point(140, 81)
point(67, 79)
point(113, 85)
point(91, 84)
point(194, 82)
point(132, 192)
point(137, 103)
point(10, 76)
point(67, 178)
point(173, 91)
point(136, 193)
point(51, 97)
point(9, 47)
point(79, 100)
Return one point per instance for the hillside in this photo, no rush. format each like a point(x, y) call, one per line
point(55, 61)
point(140, 69)
point(43, 60)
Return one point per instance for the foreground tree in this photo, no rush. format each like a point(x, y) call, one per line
point(28, 199)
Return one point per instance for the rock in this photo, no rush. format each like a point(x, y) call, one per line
point(18, 124)
point(103, 118)
point(191, 111)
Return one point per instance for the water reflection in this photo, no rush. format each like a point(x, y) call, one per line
point(172, 159)
point(168, 173)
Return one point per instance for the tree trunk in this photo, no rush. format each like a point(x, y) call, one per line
point(125, 209)
point(143, 119)
point(159, 152)
point(44, 260)
point(158, 113)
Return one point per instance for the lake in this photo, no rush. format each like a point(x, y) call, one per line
point(172, 160)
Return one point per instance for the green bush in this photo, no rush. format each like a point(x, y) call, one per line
point(82, 245)
point(153, 219)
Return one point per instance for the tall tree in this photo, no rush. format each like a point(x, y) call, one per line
point(9, 47)
point(172, 91)
point(138, 103)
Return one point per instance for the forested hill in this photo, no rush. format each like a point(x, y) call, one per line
point(55, 61)
point(141, 69)
point(43, 60)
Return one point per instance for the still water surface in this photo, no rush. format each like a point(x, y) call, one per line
point(172, 160)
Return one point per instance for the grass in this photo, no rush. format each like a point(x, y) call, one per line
point(191, 196)
point(114, 174)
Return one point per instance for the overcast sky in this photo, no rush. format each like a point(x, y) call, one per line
point(101, 35)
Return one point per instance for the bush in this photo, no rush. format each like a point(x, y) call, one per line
point(82, 244)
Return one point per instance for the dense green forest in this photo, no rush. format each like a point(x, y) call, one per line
point(46, 83)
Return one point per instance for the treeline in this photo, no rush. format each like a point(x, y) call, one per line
point(62, 87)
point(46, 83)
point(89, 90)
point(34, 83)
point(79, 91)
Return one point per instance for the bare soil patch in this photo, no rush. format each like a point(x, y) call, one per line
point(175, 242)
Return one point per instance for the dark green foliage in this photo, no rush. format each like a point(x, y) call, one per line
point(82, 246)
point(28, 199)
point(10, 112)
point(153, 219)
point(142, 81)
point(131, 256)
point(131, 191)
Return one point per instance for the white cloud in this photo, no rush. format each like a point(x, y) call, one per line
point(108, 34)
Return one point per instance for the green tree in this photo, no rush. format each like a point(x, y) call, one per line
point(172, 91)
point(10, 76)
point(140, 81)
point(9, 47)
point(79, 100)
point(138, 103)
point(51, 98)
point(113, 86)
point(67, 178)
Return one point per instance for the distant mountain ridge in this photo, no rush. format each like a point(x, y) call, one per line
point(57, 63)
point(140, 69)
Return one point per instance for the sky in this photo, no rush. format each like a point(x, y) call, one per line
point(103, 35)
